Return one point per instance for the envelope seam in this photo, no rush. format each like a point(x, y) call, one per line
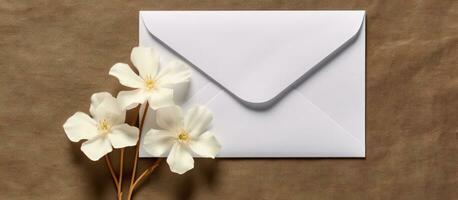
point(213, 98)
point(218, 92)
point(196, 93)
point(328, 116)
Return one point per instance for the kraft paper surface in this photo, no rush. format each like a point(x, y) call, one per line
point(55, 54)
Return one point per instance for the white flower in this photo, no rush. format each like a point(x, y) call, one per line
point(181, 137)
point(152, 85)
point(104, 130)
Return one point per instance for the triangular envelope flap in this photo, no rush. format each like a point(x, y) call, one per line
point(255, 55)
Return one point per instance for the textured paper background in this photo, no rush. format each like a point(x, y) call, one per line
point(55, 54)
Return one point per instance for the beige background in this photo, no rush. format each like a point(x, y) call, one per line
point(55, 54)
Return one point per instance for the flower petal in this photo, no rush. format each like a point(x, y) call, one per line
point(179, 159)
point(158, 142)
point(197, 120)
point(205, 145)
point(161, 97)
point(80, 126)
point(109, 109)
point(169, 118)
point(130, 99)
point(96, 99)
point(173, 73)
point(97, 147)
point(145, 60)
point(123, 136)
point(126, 76)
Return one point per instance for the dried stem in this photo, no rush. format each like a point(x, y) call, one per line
point(121, 162)
point(113, 174)
point(146, 173)
point(137, 148)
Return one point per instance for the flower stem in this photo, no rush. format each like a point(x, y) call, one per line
point(121, 163)
point(134, 170)
point(113, 175)
point(146, 173)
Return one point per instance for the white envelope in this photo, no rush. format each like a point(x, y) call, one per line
point(279, 83)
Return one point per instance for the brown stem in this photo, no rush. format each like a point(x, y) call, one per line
point(134, 170)
point(121, 163)
point(113, 174)
point(146, 173)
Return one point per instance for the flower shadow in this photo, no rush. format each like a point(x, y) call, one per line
point(181, 92)
point(95, 172)
point(204, 174)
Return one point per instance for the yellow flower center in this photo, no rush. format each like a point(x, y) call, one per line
point(183, 136)
point(104, 126)
point(150, 83)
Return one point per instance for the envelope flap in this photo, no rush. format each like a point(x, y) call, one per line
point(255, 55)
